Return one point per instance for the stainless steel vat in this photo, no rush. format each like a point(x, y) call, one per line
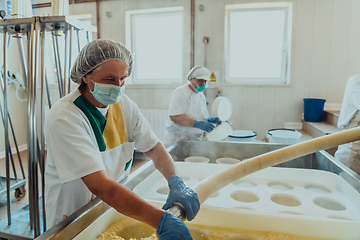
point(321, 160)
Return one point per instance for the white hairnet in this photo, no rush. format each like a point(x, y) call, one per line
point(97, 52)
point(199, 72)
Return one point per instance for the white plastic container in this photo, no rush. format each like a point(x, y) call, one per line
point(220, 132)
point(242, 136)
point(284, 136)
point(198, 159)
point(222, 108)
point(227, 161)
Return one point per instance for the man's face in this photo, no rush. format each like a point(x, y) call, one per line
point(111, 72)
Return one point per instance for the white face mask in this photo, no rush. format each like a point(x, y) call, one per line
point(107, 93)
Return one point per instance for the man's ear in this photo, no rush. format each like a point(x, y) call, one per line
point(85, 79)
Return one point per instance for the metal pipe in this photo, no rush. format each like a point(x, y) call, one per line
point(34, 137)
point(70, 57)
point(98, 18)
point(59, 62)
point(65, 62)
point(78, 40)
point(47, 90)
point(6, 133)
point(192, 36)
point(42, 120)
point(57, 66)
point(22, 60)
point(29, 125)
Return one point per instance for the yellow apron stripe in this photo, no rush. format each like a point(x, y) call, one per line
point(114, 133)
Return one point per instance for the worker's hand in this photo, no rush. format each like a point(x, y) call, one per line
point(172, 228)
point(215, 120)
point(205, 126)
point(184, 195)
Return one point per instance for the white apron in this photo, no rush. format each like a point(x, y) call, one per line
point(349, 153)
point(117, 160)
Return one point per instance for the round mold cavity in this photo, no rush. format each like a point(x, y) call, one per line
point(197, 159)
point(197, 234)
point(136, 230)
point(316, 188)
point(280, 186)
point(215, 194)
point(340, 218)
point(243, 208)
point(329, 204)
point(291, 212)
point(227, 161)
point(163, 190)
point(242, 183)
point(285, 200)
point(246, 197)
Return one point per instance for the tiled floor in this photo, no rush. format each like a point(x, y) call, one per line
point(18, 204)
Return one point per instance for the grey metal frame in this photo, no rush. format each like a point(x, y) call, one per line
point(34, 28)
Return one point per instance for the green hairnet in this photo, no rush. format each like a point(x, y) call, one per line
point(97, 52)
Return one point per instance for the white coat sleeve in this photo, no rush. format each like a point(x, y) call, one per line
point(178, 103)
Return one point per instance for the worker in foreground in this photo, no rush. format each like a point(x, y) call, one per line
point(349, 117)
point(188, 115)
point(91, 134)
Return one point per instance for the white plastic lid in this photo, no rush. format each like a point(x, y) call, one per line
point(243, 134)
point(222, 108)
point(285, 133)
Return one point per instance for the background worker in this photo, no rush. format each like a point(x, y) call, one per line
point(188, 115)
point(349, 117)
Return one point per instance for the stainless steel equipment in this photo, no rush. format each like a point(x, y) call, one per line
point(34, 29)
point(78, 221)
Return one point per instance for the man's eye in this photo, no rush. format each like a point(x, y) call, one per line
point(109, 79)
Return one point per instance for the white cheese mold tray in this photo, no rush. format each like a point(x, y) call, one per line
point(311, 203)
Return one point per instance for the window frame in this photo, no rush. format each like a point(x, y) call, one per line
point(284, 79)
point(129, 36)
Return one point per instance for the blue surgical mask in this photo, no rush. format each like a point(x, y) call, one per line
point(201, 88)
point(107, 93)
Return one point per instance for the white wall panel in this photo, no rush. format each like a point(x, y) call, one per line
point(339, 41)
point(325, 53)
point(353, 62)
point(320, 59)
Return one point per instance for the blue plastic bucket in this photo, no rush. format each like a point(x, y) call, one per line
point(313, 109)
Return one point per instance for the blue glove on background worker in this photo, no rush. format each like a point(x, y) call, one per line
point(184, 195)
point(172, 228)
point(205, 126)
point(215, 120)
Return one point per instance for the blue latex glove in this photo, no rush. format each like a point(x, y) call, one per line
point(215, 120)
point(184, 195)
point(172, 228)
point(205, 126)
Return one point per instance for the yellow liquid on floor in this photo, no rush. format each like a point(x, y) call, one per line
point(130, 229)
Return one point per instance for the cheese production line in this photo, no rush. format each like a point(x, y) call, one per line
point(34, 75)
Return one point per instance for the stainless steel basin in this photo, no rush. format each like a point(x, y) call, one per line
point(321, 160)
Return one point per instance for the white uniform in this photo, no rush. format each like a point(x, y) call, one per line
point(185, 101)
point(349, 117)
point(74, 150)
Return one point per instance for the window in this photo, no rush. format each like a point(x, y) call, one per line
point(258, 43)
point(155, 38)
